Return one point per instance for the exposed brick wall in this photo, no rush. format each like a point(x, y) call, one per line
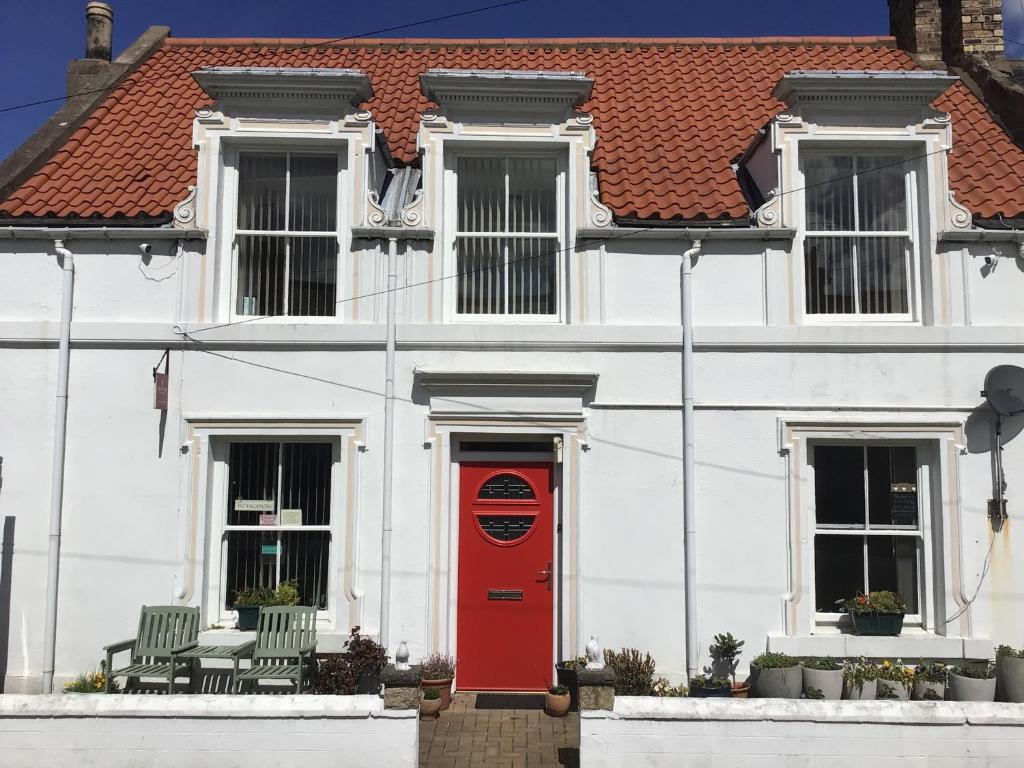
point(973, 27)
point(917, 26)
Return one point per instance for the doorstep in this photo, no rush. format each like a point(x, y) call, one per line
point(909, 645)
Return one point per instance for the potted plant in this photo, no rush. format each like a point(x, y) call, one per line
point(824, 675)
point(930, 677)
point(876, 613)
point(894, 680)
point(634, 671)
point(860, 679)
point(707, 687)
point(973, 682)
point(776, 676)
point(557, 700)
point(248, 601)
point(366, 658)
point(438, 672)
point(430, 704)
point(665, 689)
point(1010, 673)
point(566, 672)
point(725, 655)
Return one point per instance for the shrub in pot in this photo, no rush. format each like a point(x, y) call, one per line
point(776, 676)
point(894, 680)
point(438, 672)
point(705, 687)
point(930, 677)
point(249, 600)
point(860, 680)
point(634, 673)
point(1010, 673)
point(556, 701)
point(725, 655)
point(823, 674)
point(430, 704)
point(367, 659)
point(566, 672)
point(973, 682)
point(876, 613)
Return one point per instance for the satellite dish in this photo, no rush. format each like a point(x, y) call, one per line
point(1004, 389)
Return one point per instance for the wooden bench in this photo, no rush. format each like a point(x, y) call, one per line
point(285, 642)
point(165, 631)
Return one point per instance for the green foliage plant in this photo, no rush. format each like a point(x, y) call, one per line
point(983, 671)
point(1009, 651)
point(727, 649)
point(882, 601)
point(823, 663)
point(856, 672)
point(634, 673)
point(770, 660)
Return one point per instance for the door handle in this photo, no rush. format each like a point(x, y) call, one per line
point(545, 576)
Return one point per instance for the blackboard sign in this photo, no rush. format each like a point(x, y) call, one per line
point(903, 503)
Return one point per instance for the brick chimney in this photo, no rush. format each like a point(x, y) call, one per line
point(917, 26)
point(974, 28)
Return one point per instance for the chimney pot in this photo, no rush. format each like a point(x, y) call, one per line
point(99, 31)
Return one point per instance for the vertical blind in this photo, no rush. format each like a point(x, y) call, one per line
point(287, 245)
point(507, 241)
point(857, 248)
point(287, 537)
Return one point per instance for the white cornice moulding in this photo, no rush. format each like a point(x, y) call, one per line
point(899, 89)
point(535, 95)
point(273, 90)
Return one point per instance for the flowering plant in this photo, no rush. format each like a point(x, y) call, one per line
point(895, 673)
point(90, 682)
point(663, 687)
point(931, 672)
point(882, 601)
point(856, 672)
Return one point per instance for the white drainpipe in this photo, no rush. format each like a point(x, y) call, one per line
point(389, 446)
point(689, 491)
point(57, 479)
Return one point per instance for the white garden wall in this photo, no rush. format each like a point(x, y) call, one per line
point(775, 733)
point(200, 731)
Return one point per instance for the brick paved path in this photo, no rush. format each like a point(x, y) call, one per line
point(464, 737)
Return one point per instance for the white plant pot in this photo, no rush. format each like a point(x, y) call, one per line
point(920, 686)
point(902, 694)
point(1010, 674)
point(867, 693)
point(971, 689)
point(783, 683)
point(828, 681)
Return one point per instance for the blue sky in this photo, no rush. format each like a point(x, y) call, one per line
point(43, 35)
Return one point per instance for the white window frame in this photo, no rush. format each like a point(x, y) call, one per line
point(922, 533)
point(229, 212)
point(504, 150)
point(912, 236)
point(214, 488)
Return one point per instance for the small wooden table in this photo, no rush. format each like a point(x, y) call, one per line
point(233, 652)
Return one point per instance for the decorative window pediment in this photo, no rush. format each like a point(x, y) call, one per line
point(535, 97)
point(285, 91)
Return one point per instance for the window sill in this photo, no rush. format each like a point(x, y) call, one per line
point(913, 644)
point(327, 640)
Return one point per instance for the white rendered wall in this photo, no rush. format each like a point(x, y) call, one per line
point(205, 732)
point(774, 733)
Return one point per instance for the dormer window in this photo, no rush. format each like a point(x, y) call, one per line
point(508, 239)
point(858, 241)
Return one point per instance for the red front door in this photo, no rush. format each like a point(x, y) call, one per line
point(505, 615)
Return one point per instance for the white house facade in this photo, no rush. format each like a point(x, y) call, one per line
point(454, 393)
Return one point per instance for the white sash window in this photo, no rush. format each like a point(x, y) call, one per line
point(859, 238)
point(508, 236)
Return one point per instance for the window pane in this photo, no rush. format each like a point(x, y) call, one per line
point(306, 481)
point(261, 275)
point(893, 565)
point(252, 478)
point(313, 193)
point(531, 195)
point(532, 264)
point(261, 185)
point(882, 193)
point(828, 190)
point(828, 275)
point(838, 570)
point(304, 559)
point(252, 562)
point(313, 276)
point(480, 264)
point(882, 273)
point(892, 485)
point(481, 196)
point(839, 484)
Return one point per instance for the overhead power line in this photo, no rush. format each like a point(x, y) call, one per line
point(317, 44)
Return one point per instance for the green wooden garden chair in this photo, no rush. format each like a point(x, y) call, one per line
point(164, 632)
point(285, 642)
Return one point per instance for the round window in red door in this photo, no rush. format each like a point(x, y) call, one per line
point(506, 508)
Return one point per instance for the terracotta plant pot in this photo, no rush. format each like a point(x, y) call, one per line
point(570, 679)
point(740, 690)
point(555, 704)
point(445, 688)
point(430, 708)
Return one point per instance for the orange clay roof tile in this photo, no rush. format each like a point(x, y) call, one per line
point(671, 116)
